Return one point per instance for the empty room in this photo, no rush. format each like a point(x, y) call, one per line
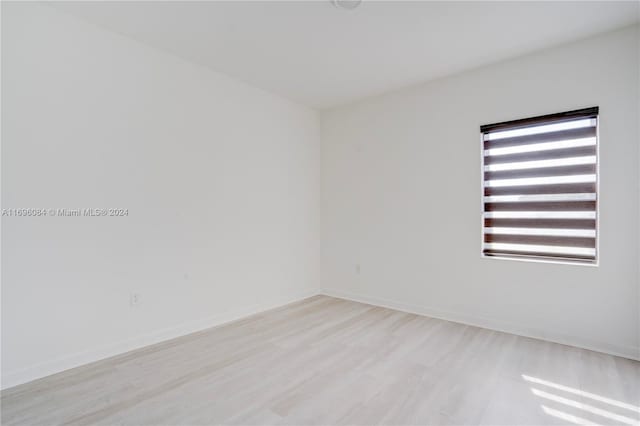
point(328, 212)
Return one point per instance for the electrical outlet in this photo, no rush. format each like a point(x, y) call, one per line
point(134, 299)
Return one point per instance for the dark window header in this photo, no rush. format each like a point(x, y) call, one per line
point(542, 119)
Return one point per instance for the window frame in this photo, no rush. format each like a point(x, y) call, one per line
point(531, 121)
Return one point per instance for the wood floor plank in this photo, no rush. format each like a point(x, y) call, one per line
point(326, 361)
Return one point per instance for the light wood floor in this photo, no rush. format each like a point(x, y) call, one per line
point(331, 361)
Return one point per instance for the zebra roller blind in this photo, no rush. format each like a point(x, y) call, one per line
point(540, 187)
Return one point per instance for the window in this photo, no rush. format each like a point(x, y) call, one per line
point(540, 187)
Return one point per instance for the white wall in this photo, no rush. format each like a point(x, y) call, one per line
point(401, 198)
point(221, 181)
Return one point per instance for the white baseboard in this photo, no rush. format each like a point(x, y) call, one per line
point(14, 378)
point(629, 352)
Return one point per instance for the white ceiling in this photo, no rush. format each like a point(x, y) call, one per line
point(322, 56)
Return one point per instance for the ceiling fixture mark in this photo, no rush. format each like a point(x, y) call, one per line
point(346, 4)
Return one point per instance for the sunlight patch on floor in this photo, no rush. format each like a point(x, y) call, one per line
point(567, 417)
point(588, 408)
